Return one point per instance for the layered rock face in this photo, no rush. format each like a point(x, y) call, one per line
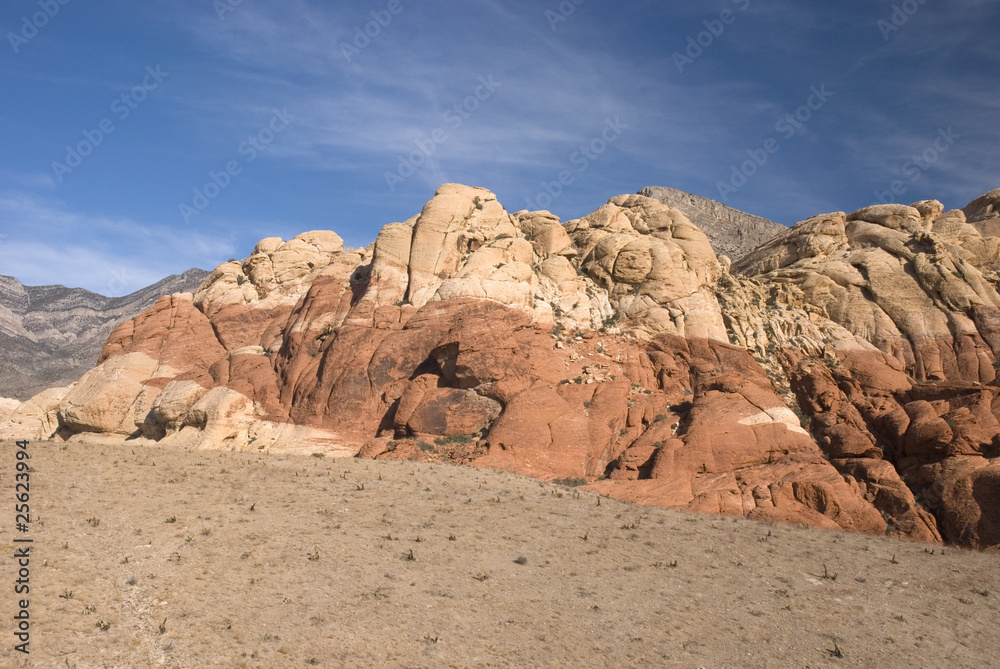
point(840, 378)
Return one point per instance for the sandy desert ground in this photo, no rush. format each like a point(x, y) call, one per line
point(152, 558)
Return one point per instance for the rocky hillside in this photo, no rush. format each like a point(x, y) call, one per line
point(841, 375)
point(51, 335)
point(732, 232)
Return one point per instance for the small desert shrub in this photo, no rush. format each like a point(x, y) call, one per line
point(890, 524)
point(570, 482)
point(455, 439)
point(803, 418)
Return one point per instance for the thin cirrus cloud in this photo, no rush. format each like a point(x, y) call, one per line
point(111, 256)
point(537, 102)
point(544, 106)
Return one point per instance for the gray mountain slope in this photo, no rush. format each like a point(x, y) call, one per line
point(732, 232)
point(51, 335)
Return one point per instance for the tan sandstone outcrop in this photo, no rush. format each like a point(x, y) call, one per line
point(658, 268)
point(984, 213)
point(883, 274)
point(7, 407)
point(35, 418)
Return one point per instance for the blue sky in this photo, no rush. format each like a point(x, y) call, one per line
point(210, 124)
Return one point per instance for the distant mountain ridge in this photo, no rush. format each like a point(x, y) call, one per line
point(732, 232)
point(51, 335)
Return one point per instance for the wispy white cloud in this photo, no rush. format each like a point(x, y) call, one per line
point(111, 256)
point(374, 108)
point(34, 181)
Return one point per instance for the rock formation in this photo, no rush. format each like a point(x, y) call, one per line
point(841, 375)
point(36, 418)
point(920, 284)
point(7, 407)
